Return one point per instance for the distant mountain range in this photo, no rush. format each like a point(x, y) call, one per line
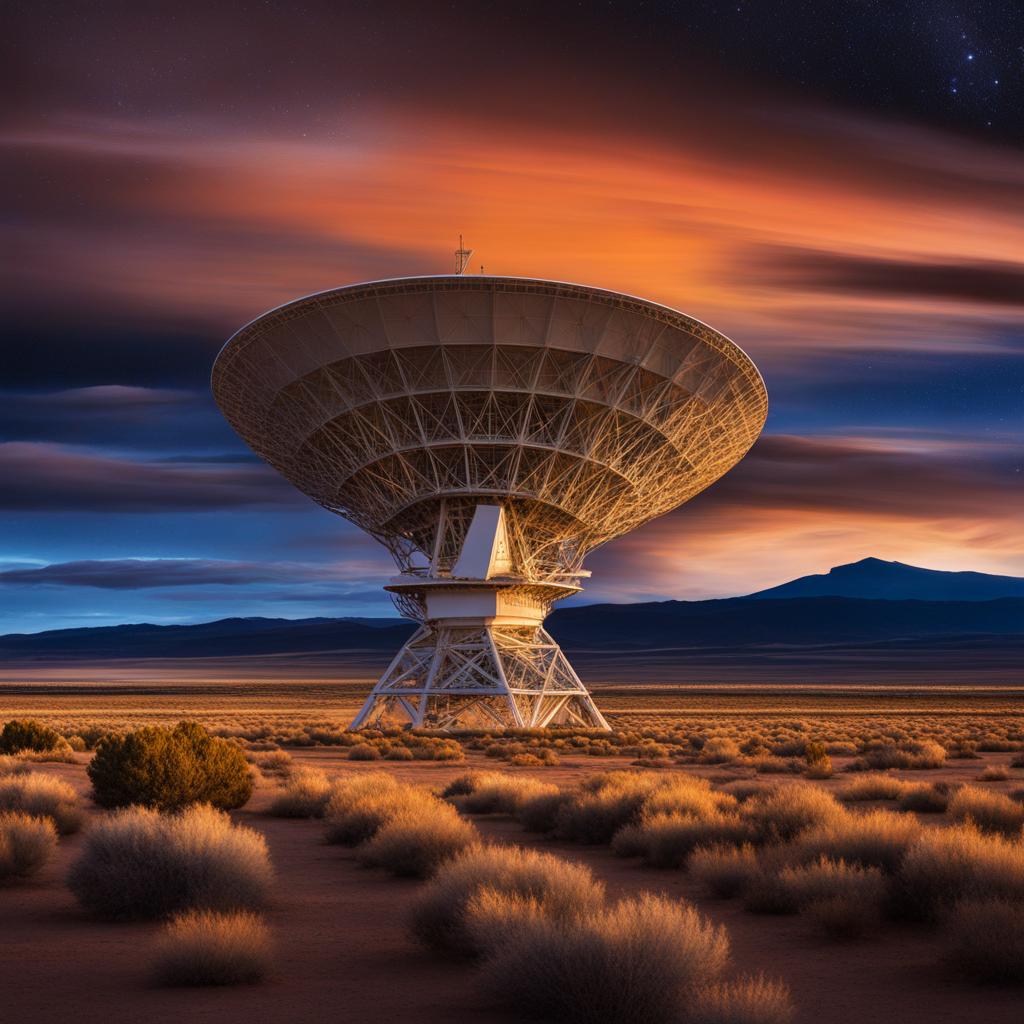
point(866, 617)
point(893, 581)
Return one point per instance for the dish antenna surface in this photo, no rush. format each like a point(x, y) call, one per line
point(490, 432)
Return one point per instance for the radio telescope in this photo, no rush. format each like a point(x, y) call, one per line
point(490, 432)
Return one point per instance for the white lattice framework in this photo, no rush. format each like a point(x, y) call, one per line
point(405, 405)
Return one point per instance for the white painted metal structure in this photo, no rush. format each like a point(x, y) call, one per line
point(490, 432)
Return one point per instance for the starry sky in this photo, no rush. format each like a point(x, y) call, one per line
point(837, 186)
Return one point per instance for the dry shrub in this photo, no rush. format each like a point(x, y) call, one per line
point(417, 841)
point(719, 749)
point(747, 1000)
point(42, 796)
point(991, 812)
point(560, 888)
point(11, 765)
point(783, 813)
point(607, 804)
point(203, 948)
point(463, 784)
point(169, 769)
point(667, 840)
point(304, 795)
point(793, 889)
point(986, 939)
point(26, 844)
point(498, 793)
point(875, 839)
point(273, 762)
point(363, 752)
point(922, 798)
point(362, 804)
point(873, 787)
point(637, 962)
point(139, 863)
point(26, 734)
point(948, 864)
point(724, 870)
point(771, 765)
point(915, 755)
point(995, 773)
point(541, 813)
point(59, 755)
point(686, 794)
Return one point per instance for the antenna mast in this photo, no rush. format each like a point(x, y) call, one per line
point(462, 257)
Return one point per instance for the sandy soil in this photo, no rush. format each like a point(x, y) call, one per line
point(343, 951)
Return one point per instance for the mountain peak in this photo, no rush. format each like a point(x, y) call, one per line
point(874, 578)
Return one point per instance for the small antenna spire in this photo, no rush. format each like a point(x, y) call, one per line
point(462, 257)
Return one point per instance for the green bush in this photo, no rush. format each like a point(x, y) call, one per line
point(169, 769)
point(25, 734)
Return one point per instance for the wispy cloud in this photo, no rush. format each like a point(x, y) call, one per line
point(150, 573)
point(54, 478)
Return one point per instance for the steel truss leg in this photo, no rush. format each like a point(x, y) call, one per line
point(452, 678)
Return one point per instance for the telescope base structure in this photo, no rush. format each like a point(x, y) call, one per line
point(473, 672)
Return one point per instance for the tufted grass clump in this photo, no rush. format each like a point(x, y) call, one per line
point(606, 804)
point(560, 888)
point(416, 841)
point(11, 765)
point(873, 787)
point(204, 948)
point(875, 839)
point(43, 796)
point(361, 804)
point(501, 793)
point(719, 750)
point(277, 763)
point(609, 802)
point(639, 961)
point(138, 863)
point(793, 889)
point(725, 870)
point(667, 840)
point(540, 813)
point(754, 999)
point(989, 811)
point(783, 813)
point(912, 755)
point(305, 794)
point(922, 798)
point(26, 844)
point(946, 865)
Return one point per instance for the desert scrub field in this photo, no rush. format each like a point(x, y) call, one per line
point(777, 731)
point(569, 852)
point(847, 865)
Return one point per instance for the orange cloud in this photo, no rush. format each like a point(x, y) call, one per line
point(235, 226)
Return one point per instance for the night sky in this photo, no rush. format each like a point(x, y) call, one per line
point(837, 186)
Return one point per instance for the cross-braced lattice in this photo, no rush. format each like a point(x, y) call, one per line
point(405, 405)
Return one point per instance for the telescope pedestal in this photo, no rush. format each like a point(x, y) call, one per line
point(480, 659)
